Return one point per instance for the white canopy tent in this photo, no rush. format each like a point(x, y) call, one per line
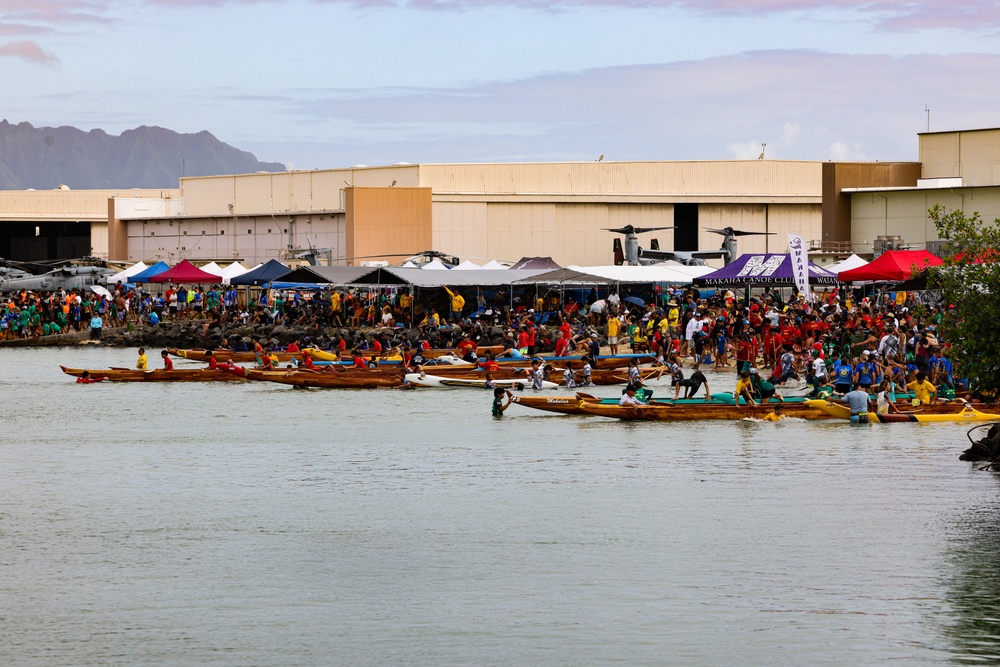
point(655, 273)
point(467, 265)
point(851, 262)
point(212, 267)
point(231, 271)
point(123, 276)
point(494, 265)
point(434, 265)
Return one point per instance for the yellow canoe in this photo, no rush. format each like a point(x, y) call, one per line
point(945, 412)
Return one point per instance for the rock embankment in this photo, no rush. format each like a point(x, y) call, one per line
point(194, 333)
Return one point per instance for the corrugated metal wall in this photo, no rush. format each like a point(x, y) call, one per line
point(716, 178)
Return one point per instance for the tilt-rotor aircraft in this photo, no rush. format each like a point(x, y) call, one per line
point(635, 255)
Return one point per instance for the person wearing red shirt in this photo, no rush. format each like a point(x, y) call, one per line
point(294, 346)
point(359, 361)
point(562, 344)
point(213, 364)
point(490, 365)
point(86, 379)
point(168, 365)
point(307, 362)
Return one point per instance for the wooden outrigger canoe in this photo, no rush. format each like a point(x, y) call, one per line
point(155, 375)
point(321, 380)
point(938, 412)
point(695, 409)
point(222, 356)
point(698, 412)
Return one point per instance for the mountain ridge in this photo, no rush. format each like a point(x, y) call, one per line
point(148, 156)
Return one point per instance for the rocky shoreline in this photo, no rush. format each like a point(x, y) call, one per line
point(196, 334)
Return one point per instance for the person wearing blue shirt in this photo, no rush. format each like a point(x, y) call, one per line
point(96, 323)
point(864, 373)
point(843, 377)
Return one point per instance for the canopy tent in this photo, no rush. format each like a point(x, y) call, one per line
point(426, 279)
point(653, 273)
point(320, 275)
point(567, 276)
point(892, 265)
point(263, 274)
point(852, 262)
point(185, 272)
point(231, 271)
point(494, 265)
point(144, 275)
point(540, 263)
point(212, 267)
point(410, 265)
point(467, 266)
point(124, 275)
point(435, 265)
point(768, 269)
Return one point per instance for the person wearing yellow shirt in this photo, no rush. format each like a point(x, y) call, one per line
point(140, 363)
point(614, 328)
point(744, 388)
point(776, 416)
point(673, 317)
point(924, 391)
point(457, 304)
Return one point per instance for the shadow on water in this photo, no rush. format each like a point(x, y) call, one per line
point(972, 585)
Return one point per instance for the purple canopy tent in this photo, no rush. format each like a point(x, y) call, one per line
point(768, 269)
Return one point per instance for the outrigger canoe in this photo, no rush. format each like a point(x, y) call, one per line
point(155, 375)
point(702, 412)
point(439, 382)
point(302, 378)
point(941, 412)
point(720, 406)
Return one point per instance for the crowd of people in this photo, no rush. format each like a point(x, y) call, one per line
point(832, 345)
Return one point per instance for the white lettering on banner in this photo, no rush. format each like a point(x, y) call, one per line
point(800, 269)
point(761, 265)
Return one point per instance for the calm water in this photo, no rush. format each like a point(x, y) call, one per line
point(224, 524)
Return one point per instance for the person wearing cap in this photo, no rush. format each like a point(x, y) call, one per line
point(595, 345)
point(628, 397)
point(843, 376)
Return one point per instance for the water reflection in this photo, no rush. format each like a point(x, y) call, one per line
point(972, 587)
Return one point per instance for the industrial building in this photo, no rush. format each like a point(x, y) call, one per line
point(959, 170)
point(502, 211)
point(506, 211)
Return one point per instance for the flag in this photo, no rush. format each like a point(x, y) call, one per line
point(800, 264)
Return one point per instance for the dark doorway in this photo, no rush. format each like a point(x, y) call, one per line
point(44, 241)
point(685, 227)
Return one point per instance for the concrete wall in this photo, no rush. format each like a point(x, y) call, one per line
point(904, 213)
point(973, 155)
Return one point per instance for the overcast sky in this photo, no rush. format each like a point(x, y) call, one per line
point(320, 84)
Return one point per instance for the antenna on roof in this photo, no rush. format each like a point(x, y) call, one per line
point(927, 110)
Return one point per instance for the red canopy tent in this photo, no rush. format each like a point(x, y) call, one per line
point(185, 272)
point(892, 265)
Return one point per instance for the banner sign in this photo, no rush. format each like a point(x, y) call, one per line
point(800, 264)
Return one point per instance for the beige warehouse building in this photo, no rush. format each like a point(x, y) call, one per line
point(474, 211)
point(959, 170)
point(503, 211)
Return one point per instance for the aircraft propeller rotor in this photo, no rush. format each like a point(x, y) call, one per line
point(729, 231)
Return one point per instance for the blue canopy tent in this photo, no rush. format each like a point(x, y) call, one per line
point(144, 276)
